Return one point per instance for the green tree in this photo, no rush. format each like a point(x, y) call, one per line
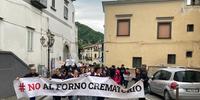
point(88, 36)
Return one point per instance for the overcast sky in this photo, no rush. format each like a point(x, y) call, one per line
point(90, 12)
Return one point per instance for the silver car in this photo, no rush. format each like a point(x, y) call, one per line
point(165, 81)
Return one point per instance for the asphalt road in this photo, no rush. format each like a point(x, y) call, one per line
point(153, 97)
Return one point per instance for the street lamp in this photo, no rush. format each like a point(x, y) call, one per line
point(50, 43)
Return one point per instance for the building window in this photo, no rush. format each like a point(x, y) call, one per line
point(51, 50)
point(189, 54)
point(193, 2)
point(65, 12)
point(171, 59)
point(60, 58)
point(95, 56)
point(66, 2)
point(190, 27)
point(1, 18)
point(164, 30)
point(53, 5)
point(165, 75)
point(41, 69)
point(137, 62)
point(73, 17)
point(123, 27)
point(30, 40)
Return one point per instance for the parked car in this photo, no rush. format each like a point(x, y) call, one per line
point(165, 81)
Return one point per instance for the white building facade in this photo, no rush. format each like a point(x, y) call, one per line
point(22, 24)
point(92, 54)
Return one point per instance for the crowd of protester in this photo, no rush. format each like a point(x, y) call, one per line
point(118, 74)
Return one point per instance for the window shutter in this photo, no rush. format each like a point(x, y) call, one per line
point(65, 12)
point(30, 40)
point(123, 27)
point(164, 30)
point(53, 3)
point(171, 59)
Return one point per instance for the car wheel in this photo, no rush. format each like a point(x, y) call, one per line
point(167, 96)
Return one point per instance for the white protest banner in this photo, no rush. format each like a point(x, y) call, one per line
point(82, 86)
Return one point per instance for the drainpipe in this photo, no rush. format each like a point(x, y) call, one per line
point(1, 34)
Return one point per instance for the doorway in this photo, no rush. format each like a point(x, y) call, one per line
point(66, 53)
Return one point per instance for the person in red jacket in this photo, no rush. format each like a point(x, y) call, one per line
point(117, 77)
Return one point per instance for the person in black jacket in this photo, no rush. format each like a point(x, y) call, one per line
point(56, 75)
point(97, 73)
point(32, 73)
point(122, 71)
point(144, 77)
point(142, 74)
point(112, 71)
point(137, 75)
point(69, 75)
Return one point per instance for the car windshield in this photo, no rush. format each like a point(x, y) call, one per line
point(187, 76)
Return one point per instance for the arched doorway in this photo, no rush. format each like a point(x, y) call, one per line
point(66, 53)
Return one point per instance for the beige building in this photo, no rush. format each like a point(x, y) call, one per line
point(152, 32)
point(92, 54)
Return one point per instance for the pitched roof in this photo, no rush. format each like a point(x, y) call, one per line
point(92, 45)
point(105, 3)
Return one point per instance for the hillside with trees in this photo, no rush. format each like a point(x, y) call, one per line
point(88, 36)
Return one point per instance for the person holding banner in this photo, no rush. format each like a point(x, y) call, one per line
point(112, 71)
point(122, 71)
point(75, 74)
point(126, 77)
point(141, 74)
point(32, 73)
point(69, 75)
point(137, 75)
point(56, 75)
point(97, 88)
point(117, 76)
point(98, 73)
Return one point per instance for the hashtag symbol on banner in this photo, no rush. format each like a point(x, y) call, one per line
point(21, 87)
